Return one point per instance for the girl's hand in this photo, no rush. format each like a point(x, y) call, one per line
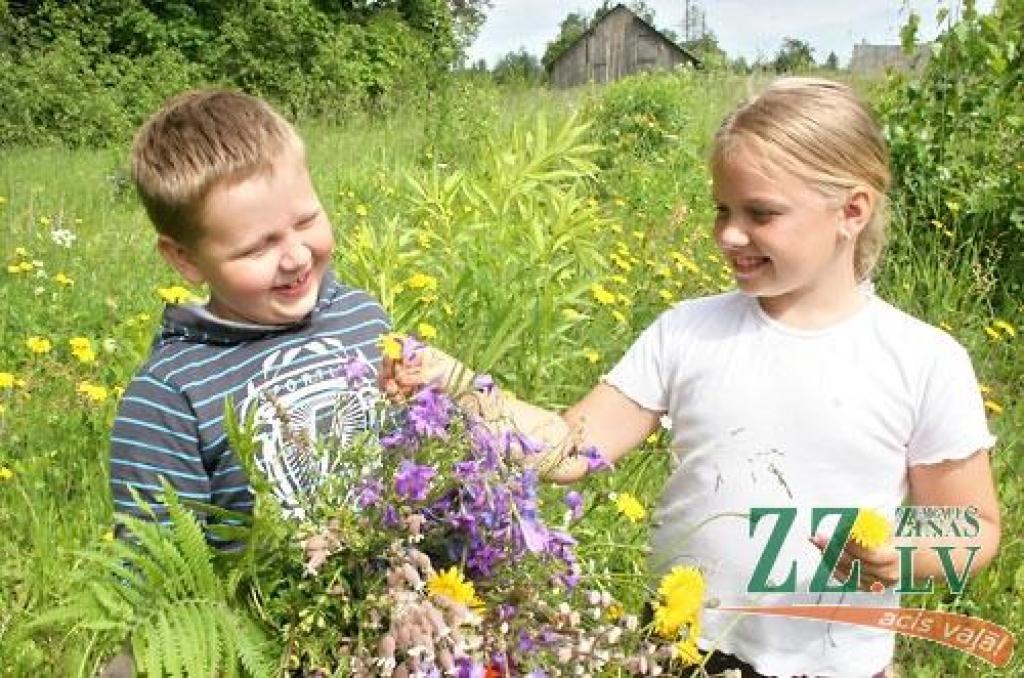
point(427, 367)
point(878, 566)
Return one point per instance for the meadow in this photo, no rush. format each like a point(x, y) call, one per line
point(532, 233)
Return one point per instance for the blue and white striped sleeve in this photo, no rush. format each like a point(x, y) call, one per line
point(155, 436)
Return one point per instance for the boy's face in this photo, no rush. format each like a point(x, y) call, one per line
point(264, 245)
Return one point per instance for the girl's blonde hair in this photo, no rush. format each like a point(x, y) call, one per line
point(821, 131)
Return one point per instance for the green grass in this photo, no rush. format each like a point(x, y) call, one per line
point(54, 441)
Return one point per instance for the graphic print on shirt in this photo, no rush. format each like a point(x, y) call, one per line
point(323, 402)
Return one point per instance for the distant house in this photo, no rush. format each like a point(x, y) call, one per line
point(619, 44)
point(871, 59)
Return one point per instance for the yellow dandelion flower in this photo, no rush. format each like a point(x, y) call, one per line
point(62, 279)
point(6, 473)
point(871, 529)
point(591, 355)
point(602, 295)
point(81, 348)
point(639, 235)
point(6, 380)
point(38, 345)
point(426, 331)
point(993, 407)
point(614, 611)
point(108, 536)
point(946, 326)
point(93, 392)
point(362, 210)
point(651, 439)
point(630, 506)
point(26, 267)
point(682, 593)
point(993, 334)
point(665, 295)
point(623, 299)
point(1005, 327)
point(422, 281)
point(13, 268)
point(451, 584)
point(176, 294)
point(391, 345)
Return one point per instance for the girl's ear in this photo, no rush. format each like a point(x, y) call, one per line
point(857, 210)
point(180, 258)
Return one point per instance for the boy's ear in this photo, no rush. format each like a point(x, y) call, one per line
point(180, 258)
point(857, 210)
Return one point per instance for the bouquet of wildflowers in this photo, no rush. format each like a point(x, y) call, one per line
point(429, 554)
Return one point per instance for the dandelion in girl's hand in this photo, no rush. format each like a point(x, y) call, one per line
point(870, 529)
point(451, 584)
point(629, 506)
point(38, 345)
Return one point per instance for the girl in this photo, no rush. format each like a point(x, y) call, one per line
point(799, 389)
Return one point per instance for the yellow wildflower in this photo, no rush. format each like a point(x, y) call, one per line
point(422, 281)
point(362, 210)
point(682, 594)
point(452, 585)
point(391, 345)
point(93, 392)
point(985, 389)
point(639, 235)
point(602, 295)
point(665, 295)
point(651, 439)
point(629, 506)
point(175, 294)
point(62, 279)
point(13, 268)
point(621, 280)
point(686, 650)
point(623, 299)
point(21, 252)
point(616, 228)
point(591, 355)
point(6, 473)
point(871, 529)
point(619, 317)
point(426, 331)
point(614, 611)
point(1005, 327)
point(6, 380)
point(82, 349)
point(946, 326)
point(38, 345)
point(993, 407)
point(992, 334)
point(108, 536)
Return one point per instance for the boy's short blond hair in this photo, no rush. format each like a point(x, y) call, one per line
point(197, 140)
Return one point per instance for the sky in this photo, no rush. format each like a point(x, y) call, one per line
point(747, 28)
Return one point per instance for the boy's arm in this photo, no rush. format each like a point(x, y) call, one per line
point(605, 419)
point(155, 437)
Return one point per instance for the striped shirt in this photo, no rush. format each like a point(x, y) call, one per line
point(170, 423)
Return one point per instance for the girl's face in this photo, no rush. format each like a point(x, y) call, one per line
point(783, 239)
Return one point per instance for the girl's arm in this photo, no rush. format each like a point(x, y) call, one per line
point(604, 419)
point(964, 482)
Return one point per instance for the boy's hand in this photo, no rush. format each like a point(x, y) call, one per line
point(428, 366)
point(878, 566)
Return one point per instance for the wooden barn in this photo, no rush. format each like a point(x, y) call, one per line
point(620, 44)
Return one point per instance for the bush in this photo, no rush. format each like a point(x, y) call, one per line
point(954, 135)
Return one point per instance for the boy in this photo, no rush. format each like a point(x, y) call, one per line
point(224, 180)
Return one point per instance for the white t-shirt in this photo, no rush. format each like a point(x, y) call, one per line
point(764, 415)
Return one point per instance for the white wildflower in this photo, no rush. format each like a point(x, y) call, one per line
point(62, 237)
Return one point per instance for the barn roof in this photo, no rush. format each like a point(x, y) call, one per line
point(685, 54)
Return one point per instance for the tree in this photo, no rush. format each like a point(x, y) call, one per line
point(832, 62)
point(707, 50)
point(518, 68)
point(569, 31)
point(793, 55)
